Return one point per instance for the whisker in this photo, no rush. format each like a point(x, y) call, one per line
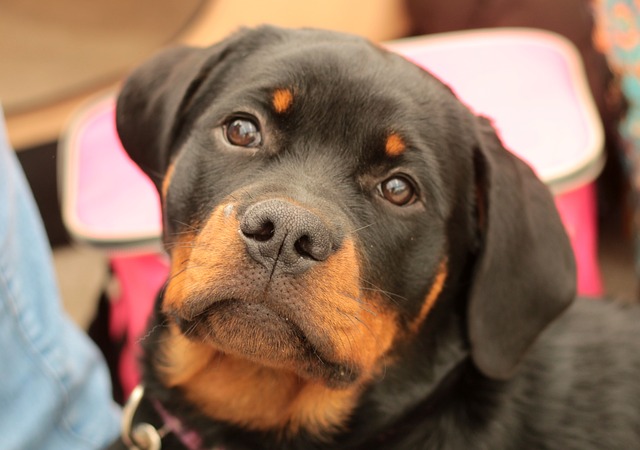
point(191, 329)
point(353, 318)
point(175, 275)
point(389, 295)
point(164, 324)
point(361, 228)
point(319, 359)
point(243, 192)
point(152, 172)
point(360, 302)
point(195, 228)
point(179, 233)
point(182, 245)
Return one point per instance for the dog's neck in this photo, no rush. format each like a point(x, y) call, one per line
point(243, 393)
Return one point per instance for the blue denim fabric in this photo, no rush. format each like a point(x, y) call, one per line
point(55, 391)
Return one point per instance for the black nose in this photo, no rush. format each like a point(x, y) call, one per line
point(279, 232)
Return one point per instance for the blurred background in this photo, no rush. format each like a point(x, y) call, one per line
point(57, 55)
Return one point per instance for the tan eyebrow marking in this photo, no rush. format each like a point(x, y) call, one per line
point(282, 100)
point(395, 145)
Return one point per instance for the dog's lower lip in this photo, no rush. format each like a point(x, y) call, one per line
point(229, 308)
point(220, 305)
point(257, 332)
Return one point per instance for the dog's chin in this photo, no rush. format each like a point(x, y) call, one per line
point(255, 332)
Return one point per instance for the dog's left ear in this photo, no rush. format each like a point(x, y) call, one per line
point(525, 275)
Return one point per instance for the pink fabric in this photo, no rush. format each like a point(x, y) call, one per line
point(115, 200)
point(140, 278)
point(578, 211)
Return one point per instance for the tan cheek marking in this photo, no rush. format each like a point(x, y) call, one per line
point(432, 296)
point(282, 100)
point(362, 331)
point(180, 251)
point(395, 145)
point(196, 260)
point(251, 395)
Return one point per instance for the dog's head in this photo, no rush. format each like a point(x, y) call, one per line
point(322, 196)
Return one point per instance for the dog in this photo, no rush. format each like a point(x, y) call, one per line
point(358, 263)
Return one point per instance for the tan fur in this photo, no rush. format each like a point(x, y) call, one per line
point(198, 260)
point(251, 395)
point(395, 145)
point(166, 181)
point(432, 296)
point(282, 100)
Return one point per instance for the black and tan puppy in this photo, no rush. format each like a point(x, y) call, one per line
point(358, 263)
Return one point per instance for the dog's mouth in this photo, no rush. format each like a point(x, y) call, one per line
point(252, 330)
point(258, 333)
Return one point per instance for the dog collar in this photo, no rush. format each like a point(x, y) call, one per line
point(144, 436)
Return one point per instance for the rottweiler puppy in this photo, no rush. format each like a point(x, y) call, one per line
point(358, 263)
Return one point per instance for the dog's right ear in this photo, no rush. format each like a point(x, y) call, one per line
point(158, 97)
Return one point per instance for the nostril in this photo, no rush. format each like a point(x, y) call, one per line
point(304, 247)
point(316, 248)
point(262, 232)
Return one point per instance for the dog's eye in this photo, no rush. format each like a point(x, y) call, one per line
point(243, 133)
point(397, 190)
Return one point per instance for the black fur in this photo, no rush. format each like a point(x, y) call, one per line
point(492, 367)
